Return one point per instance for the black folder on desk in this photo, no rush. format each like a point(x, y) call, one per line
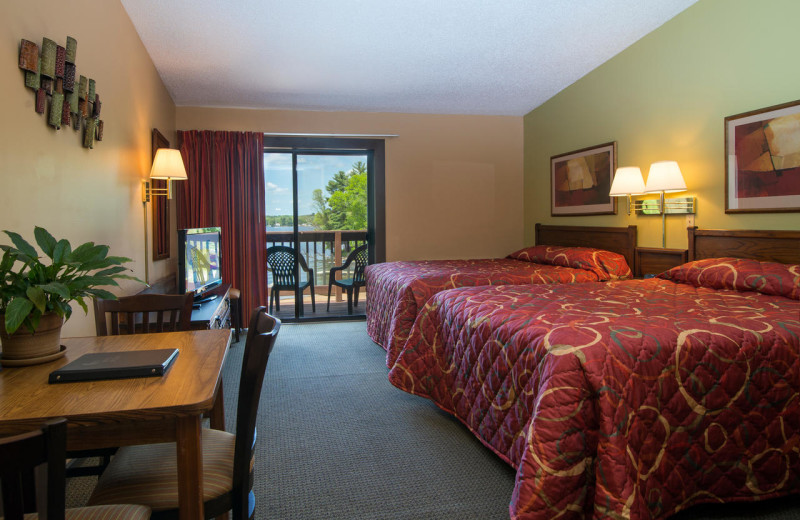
point(116, 365)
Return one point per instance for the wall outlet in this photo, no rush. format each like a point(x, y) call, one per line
point(690, 220)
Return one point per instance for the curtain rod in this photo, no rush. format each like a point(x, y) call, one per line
point(281, 134)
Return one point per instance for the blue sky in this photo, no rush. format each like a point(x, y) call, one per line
point(313, 171)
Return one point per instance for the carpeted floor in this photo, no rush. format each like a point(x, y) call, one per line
point(337, 441)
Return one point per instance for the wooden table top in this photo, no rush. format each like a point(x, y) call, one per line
point(188, 387)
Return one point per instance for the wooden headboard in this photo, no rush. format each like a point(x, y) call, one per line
point(764, 245)
point(620, 240)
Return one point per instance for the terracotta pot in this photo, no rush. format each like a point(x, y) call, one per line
point(24, 344)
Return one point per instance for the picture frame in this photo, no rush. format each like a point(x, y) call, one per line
point(581, 180)
point(762, 160)
point(161, 220)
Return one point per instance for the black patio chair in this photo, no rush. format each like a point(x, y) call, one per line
point(360, 256)
point(280, 260)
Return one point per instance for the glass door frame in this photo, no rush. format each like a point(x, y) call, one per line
point(374, 149)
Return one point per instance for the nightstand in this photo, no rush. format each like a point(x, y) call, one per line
point(652, 260)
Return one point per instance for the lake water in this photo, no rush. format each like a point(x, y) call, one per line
point(289, 228)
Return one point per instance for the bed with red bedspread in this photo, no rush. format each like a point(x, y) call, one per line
point(397, 290)
point(629, 399)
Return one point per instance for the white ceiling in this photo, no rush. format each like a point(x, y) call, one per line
point(415, 56)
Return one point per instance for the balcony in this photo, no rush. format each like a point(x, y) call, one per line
point(322, 251)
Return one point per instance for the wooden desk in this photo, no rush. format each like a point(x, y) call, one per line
point(127, 411)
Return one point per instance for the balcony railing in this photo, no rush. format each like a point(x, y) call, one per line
point(322, 250)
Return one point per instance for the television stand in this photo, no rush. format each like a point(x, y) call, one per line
point(214, 311)
point(205, 299)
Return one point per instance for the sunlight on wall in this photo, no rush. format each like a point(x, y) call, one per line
point(665, 98)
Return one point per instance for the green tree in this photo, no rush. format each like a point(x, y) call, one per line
point(338, 183)
point(356, 196)
point(278, 220)
point(346, 207)
point(321, 217)
point(359, 168)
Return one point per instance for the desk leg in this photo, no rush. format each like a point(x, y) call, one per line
point(217, 414)
point(190, 468)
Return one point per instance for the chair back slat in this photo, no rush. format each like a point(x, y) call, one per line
point(130, 318)
point(114, 324)
point(21, 454)
point(146, 322)
point(136, 314)
point(261, 335)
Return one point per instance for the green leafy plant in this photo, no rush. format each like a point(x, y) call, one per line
point(31, 287)
point(346, 208)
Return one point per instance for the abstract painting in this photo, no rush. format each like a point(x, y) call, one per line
point(762, 160)
point(580, 181)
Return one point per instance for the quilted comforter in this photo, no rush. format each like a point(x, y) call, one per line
point(396, 291)
point(630, 399)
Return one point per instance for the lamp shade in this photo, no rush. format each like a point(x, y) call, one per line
point(168, 164)
point(665, 176)
point(627, 181)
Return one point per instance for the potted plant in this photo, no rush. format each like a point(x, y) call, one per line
point(35, 295)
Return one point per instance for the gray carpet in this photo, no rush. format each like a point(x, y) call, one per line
point(340, 442)
point(337, 441)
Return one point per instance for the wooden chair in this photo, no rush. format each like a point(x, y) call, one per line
point(360, 256)
point(133, 314)
point(23, 493)
point(148, 474)
point(281, 261)
point(235, 297)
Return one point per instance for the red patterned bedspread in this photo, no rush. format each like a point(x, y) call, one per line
point(396, 291)
point(631, 399)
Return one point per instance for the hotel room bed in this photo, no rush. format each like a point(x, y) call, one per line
point(397, 290)
point(628, 399)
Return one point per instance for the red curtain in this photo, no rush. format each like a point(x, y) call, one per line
point(226, 189)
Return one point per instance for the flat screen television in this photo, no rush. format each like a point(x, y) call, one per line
point(199, 260)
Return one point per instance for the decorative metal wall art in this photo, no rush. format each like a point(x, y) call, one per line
point(51, 75)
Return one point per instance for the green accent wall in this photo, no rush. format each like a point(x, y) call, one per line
point(665, 98)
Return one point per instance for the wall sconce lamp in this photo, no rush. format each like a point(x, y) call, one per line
point(628, 181)
point(664, 177)
point(167, 165)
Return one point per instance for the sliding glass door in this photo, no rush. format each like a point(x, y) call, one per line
point(318, 212)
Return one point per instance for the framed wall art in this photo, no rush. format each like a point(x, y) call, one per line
point(160, 206)
point(762, 160)
point(580, 181)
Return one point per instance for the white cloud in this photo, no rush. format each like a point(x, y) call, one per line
point(271, 186)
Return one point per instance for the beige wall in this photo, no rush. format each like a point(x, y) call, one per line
point(666, 97)
point(46, 177)
point(453, 183)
